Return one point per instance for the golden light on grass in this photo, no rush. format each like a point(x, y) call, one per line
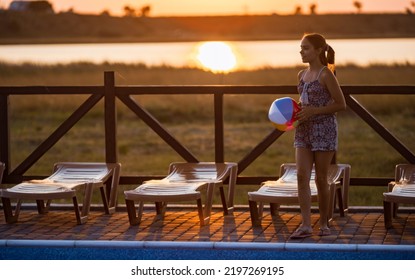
point(216, 56)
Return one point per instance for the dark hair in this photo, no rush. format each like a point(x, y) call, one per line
point(318, 41)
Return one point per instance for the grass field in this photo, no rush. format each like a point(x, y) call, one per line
point(189, 119)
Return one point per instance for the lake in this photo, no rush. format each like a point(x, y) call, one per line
point(248, 54)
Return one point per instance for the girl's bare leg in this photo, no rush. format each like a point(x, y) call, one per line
point(304, 161)
point(322, 163)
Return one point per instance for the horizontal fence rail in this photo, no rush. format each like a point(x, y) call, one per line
point(109, 92)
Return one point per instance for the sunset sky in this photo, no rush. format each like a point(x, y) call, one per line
point(224, 7)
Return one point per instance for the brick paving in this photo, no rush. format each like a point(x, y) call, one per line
point(360, 226)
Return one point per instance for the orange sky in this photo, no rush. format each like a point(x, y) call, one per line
point(223, 7)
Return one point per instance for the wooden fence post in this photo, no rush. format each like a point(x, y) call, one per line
point(4, 132)
point(219, 127)
point(110, 111)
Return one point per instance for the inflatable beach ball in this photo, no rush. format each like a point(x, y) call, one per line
point(282, 113)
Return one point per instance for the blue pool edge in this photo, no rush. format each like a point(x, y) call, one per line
point(11, 249)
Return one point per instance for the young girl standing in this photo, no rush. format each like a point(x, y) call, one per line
point(315, 138)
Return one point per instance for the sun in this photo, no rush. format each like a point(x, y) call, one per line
point(216, 56)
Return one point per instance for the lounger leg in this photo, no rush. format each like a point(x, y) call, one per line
point(161, 208)
point(107, 189)
point(82, 214)
point(339, 197)
point(200, 211)
point(260, 209)
point(231, 190)
point(111, 194)
point(41, 207)
point(253, 209)
point(8, 211)
point(113, 186)
point(395, 207)
point(274, 207)
point(132, 214)
point(209, 202)
point(86, 203)
point(332, 201)
point(387, 214)
point(223, 199)
point(80, 219)
point(105, 201)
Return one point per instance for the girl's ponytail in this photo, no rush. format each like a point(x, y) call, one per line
point(318, 41)
point(330, 58)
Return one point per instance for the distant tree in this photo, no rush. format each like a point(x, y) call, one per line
point(145, 10)
point(313, 9)
point(410, 11)
point(298, 10)
point(31, 6)
point(358, 5)
point(40, 6)
point(105, 13)
point(129, 11)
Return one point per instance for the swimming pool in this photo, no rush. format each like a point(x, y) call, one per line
point(158, 250)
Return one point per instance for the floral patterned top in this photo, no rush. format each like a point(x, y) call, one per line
point(319, 132)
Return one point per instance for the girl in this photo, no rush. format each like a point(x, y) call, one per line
point(316, 134)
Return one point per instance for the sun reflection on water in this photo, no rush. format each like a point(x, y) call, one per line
point(217, 57)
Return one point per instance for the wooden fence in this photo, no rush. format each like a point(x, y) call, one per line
point(110, 93)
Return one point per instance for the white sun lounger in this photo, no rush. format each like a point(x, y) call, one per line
point(284, 191)
point(185, 182)
point(67, 178)
point(402, 190)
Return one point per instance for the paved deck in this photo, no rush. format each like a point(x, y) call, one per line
point(360, 226)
